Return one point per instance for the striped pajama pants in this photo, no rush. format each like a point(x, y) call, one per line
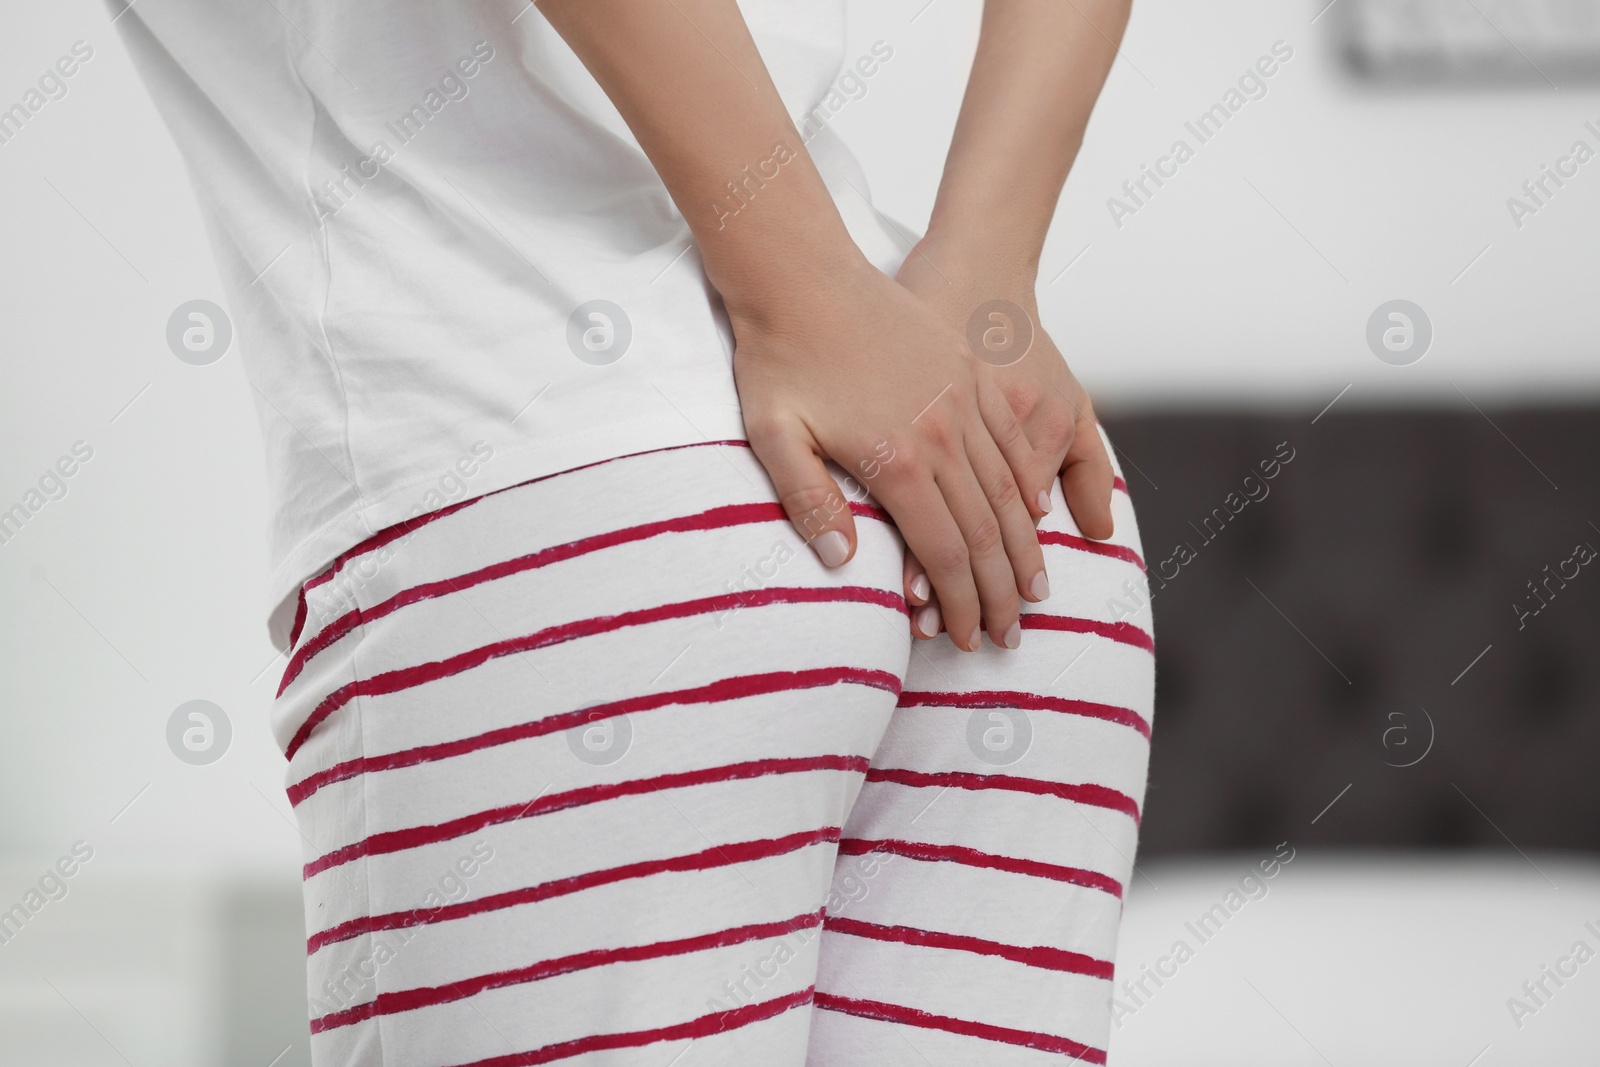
point(606, 768)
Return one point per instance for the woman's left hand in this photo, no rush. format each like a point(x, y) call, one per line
point(992, 304)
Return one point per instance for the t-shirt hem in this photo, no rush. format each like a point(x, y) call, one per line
point(316, 552)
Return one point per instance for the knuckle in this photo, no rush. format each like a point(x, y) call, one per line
point(1025, 398)
point(812, 508)
point(1057, 426)
point(938, 435)
point(1008, 434)
point(1002, 491)
point(985, 537)
point(950, 557)
point(906, 468)
point(764, 428)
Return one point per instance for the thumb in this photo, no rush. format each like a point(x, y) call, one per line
point(808, 493)
point(1086, 480)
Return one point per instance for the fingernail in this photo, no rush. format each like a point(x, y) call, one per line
point(832, 547)
point(972, 642)
point(920, 587)
point(1040, 587)
point(928, 621)
point(1013, 637)
point(1044, 502)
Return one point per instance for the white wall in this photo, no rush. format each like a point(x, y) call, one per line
point(1209, 294)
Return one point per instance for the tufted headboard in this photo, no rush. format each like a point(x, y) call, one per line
point(1404, 577)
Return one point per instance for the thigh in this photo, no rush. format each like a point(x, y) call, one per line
point(979, 887)
point(572, 762)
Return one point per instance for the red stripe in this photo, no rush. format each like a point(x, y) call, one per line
point(413, 999)
point(1043, 956)
point(418, 674)
point(717, 518)
point(1097, 795)
point(383, 537)
point(725, 689)
point(971, 857)
point(715, 856)
point(1118, 483)
point(894, 1013)
point(1124, 632)
point(705, 1026)
point(1083, 544)
point(1004, 698)
point(399, 529)
point(299, 618)
point(418, 836)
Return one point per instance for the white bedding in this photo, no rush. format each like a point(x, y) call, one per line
point(1366, 959)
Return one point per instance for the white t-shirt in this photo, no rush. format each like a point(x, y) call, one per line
point(414, 206)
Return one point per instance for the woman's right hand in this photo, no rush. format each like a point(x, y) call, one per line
point(852, 367)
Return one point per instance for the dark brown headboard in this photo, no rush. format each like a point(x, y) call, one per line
point(1355, 597)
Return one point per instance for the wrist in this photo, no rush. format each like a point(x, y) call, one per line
point(995, 255)
point(787, 280)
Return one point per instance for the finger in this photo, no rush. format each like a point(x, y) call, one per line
point(932, 535)
point(808, 493)
point(1086, 479)
point(925, 620)
point(1017, 526)
point(918, 588)
point(1033, 471)
point(983, 531)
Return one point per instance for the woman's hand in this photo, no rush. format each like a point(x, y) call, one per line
point(992, 303)
point(831, 357)
point(853, 367)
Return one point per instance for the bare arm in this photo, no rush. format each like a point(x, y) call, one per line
point(688, 80)
point(832, 359)
point(1039, 69)
point(1038, 72)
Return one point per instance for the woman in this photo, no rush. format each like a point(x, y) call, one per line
point(620, 450)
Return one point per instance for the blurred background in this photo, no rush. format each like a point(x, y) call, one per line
point(1379, 262)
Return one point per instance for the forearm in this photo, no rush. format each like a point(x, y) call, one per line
point(1039, 69)
point(688, 80)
